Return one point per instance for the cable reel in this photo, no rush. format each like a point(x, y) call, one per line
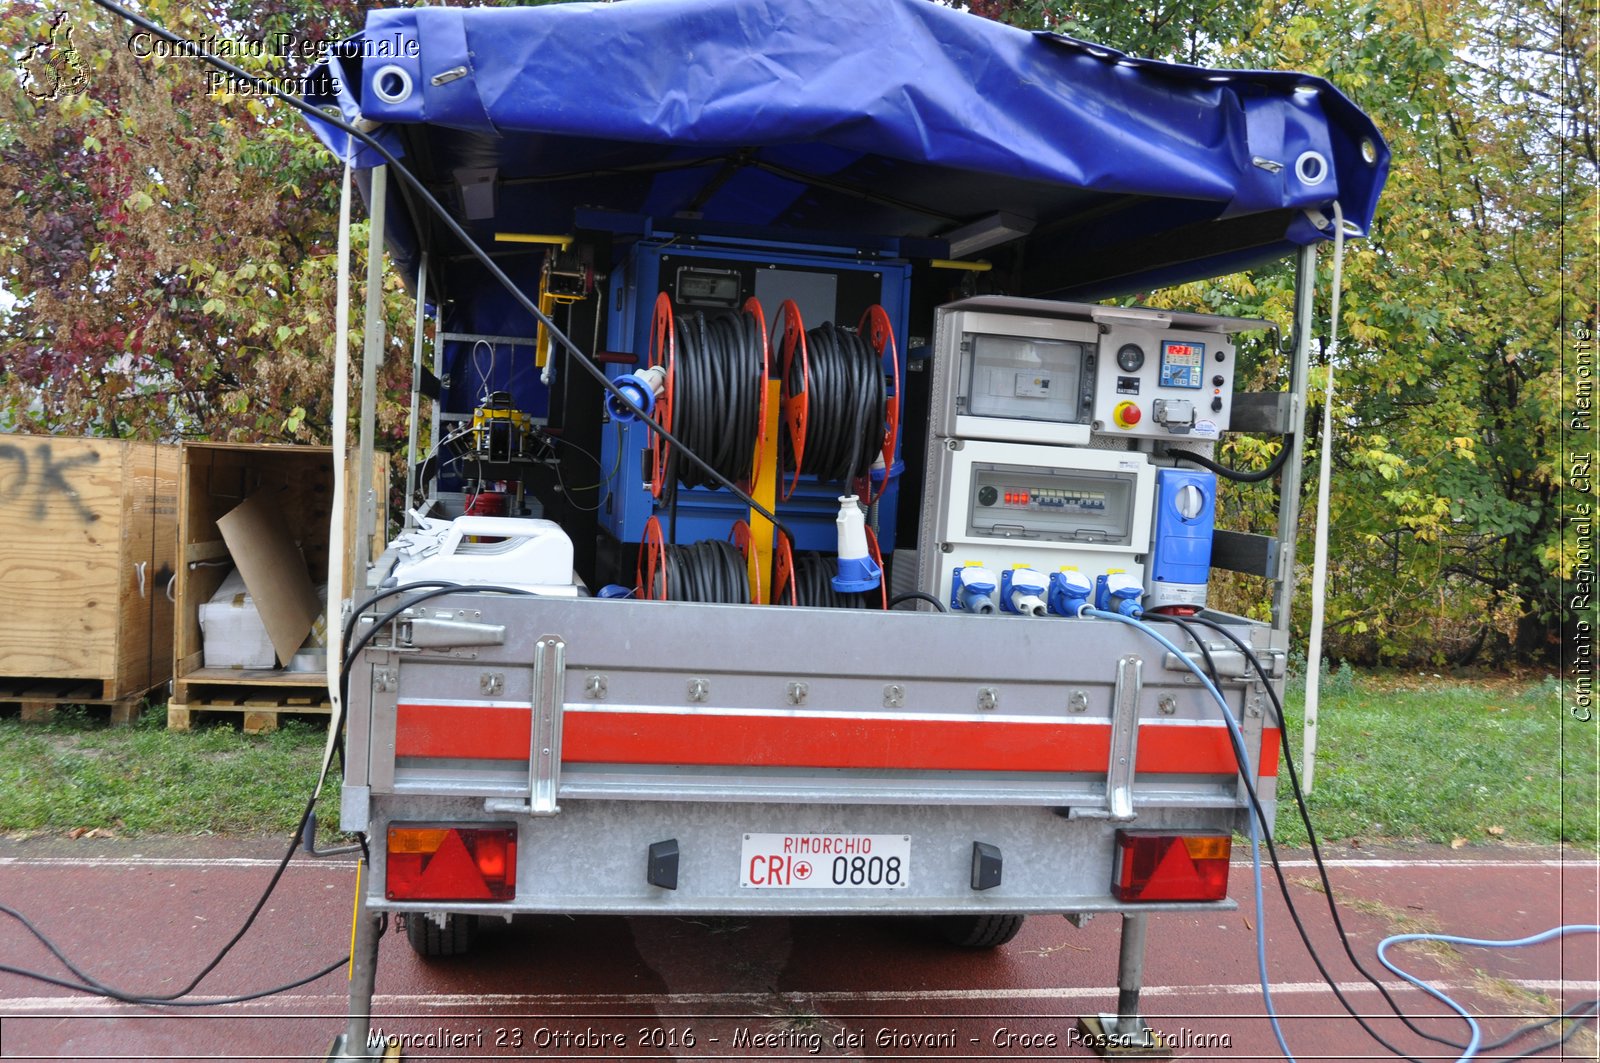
point(806, 579)
point(839, 415)
point(711, 570)
point(714, 394)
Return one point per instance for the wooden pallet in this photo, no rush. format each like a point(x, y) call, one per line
point(38, 699)
point(259, 708)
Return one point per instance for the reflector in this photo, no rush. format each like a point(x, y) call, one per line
point(1157, 866)
point(452, 863)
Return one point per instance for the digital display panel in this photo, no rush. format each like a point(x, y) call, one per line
point(1182, 363)
point(708, 287)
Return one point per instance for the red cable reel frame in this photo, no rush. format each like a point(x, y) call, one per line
point(783, 571)
point(878, 330)
point(752, 306)
point(652, 548)
point(796, 406)
point(663, 352)
point(877, 559)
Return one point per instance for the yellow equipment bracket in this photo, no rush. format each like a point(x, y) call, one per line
point(765, 491)
point(547, 298)
point(562, 242)
point(547, 304)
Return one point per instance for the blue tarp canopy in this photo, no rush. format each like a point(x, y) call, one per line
point(887, 124)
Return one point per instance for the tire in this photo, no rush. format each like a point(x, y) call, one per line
point(978, 931)
point(432, 941)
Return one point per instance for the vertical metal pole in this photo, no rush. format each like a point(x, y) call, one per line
point(438, 371)
point(1130, 976)
point(1305, 289)
point(363, 977)
point(416, 385)
point(371, 357)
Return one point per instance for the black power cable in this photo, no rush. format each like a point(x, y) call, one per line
point(1581, 1010)
point(712, 570)
point(919, 596)
point(88, 984)
point(719, 374)
point(1236, 475)
point(812, 579)
point(1272, 853)
point(847, 404)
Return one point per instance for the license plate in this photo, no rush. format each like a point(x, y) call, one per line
point(825, 861)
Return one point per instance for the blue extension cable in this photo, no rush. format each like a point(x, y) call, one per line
point(1477, 1034)
point(1255, 830)
point(1237, 737)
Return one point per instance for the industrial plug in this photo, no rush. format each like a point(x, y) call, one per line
point(1069, 592)
point(973, 589)
point(1118, 592)
point(642, 389)
point(1023, 590)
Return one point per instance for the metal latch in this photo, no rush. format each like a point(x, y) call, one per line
point(433, 633)
point(544, 746)
point(1124, 746)
point(1230, 663)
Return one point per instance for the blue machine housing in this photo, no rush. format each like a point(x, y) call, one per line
point(807, 273)
point(1180, 548)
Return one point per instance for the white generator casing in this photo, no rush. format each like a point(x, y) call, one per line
point(527, 553)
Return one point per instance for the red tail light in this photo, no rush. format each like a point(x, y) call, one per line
point(1155, 866)
point(452, 863)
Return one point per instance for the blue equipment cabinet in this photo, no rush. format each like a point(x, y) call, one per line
point(835, 284)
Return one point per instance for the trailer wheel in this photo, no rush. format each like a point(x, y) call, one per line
point(978, 931)
point(432, 941)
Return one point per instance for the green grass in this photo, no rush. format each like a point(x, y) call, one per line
point(1440, 760)
point(1418, 758)
point(75, 773)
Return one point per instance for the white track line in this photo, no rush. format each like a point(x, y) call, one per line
point(221, 863)
point(396, 1002)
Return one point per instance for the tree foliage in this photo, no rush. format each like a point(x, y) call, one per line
point(171, 251)
point(170, 243)
point(1448, 481)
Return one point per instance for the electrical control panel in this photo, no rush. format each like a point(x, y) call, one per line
point(1162, 377)
point(1041, 464)
point(1030, 380)
point(1001, 506)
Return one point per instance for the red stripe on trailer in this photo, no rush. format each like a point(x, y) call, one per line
point(1271, 739)
point(482, 732)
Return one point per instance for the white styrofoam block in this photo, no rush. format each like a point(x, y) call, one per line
point(231, 632)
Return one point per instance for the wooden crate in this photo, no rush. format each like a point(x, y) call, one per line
point(89, 528)
point(213, 479)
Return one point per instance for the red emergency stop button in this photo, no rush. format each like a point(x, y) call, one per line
point(1126, 414)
